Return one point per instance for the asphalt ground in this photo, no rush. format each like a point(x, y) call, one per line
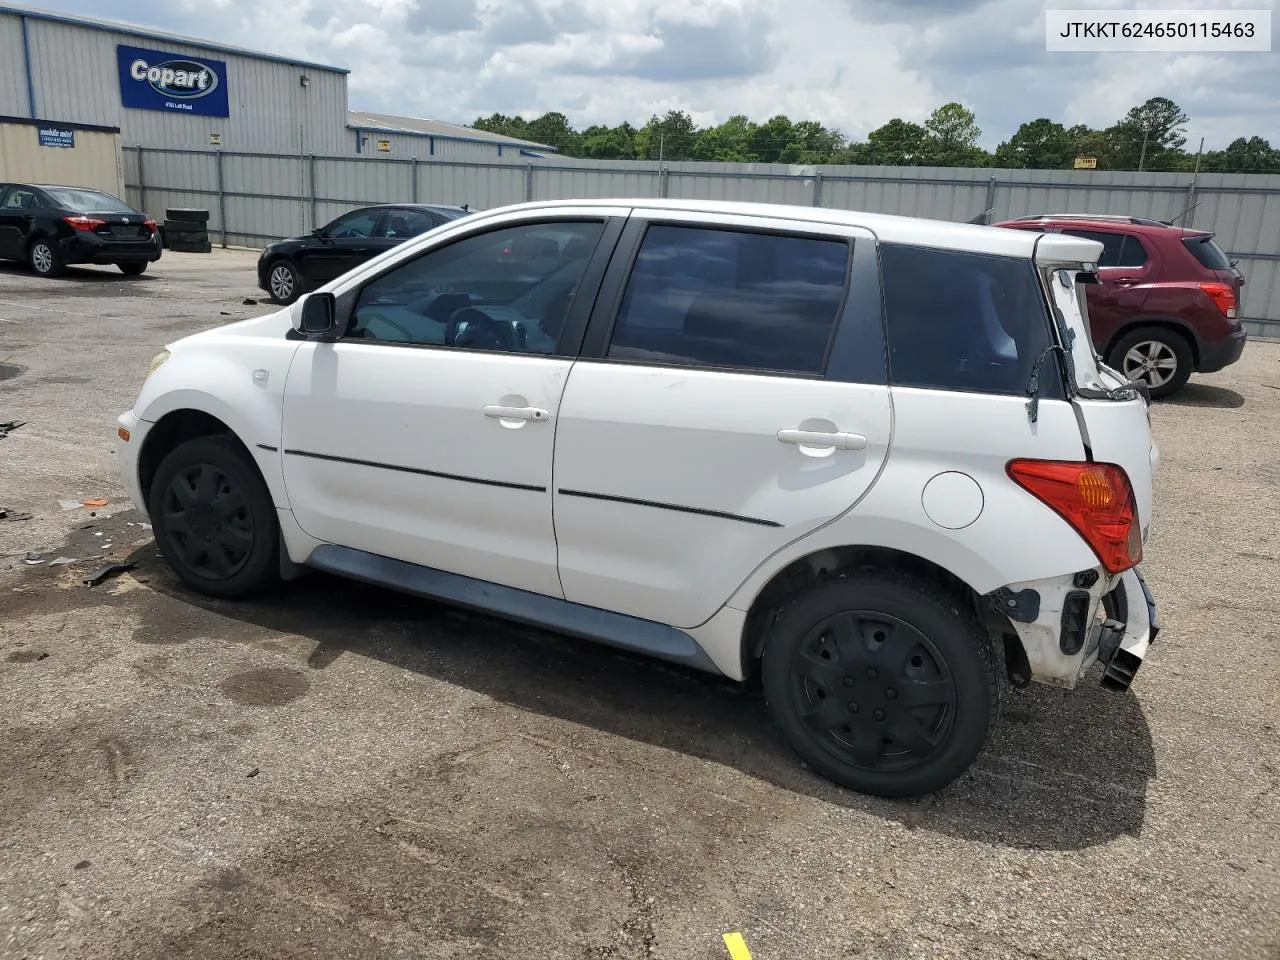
point(335, 770)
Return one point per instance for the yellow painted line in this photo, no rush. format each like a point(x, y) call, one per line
point(737, 946)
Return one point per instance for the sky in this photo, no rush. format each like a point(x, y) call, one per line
point(851, 64)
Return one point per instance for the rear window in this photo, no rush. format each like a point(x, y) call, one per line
point(965, 321)
point(87, 201)
point(1210, 255)
point(1118, 249)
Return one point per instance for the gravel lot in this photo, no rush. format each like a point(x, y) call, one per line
point(339, 771)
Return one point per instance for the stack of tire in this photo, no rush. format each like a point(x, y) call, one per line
point(186, 230)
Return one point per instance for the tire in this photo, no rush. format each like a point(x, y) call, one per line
point(214, 520)
point(283, 281)
point(44, 258)
point(881, 683)
point(190, 214)
point(135, 269)
point(1158, 356)
point(185, 247)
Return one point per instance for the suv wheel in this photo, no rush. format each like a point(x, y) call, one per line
point(284, 282)
point(881, 683)
point(214, 519)
point(1155, 356)
point(44, 259)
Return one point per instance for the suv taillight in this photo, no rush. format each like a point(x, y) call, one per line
point(1095, 498)
point(1224, 297)
point(83, 223)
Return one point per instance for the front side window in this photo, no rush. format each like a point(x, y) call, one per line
point(507, 289)
point(722, 298)
point(354, 226)
point(964, 321)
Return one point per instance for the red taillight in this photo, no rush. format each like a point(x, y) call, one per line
point(81, 222)
point(149, 224)
point(1095, 498)
point(1223, 296)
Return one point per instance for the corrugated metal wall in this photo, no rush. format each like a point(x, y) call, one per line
point(76, 80)
point(13, 82)
point(93, 162)
point(410, 146)
point(272, 196)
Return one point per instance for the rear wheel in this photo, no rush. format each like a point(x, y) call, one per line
point(214, 518)
point(1156, 356)
point(132, 269)
point(44, 259)
point(283, 281)
point(881, 683)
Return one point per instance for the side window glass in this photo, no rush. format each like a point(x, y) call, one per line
point(720, 298)
point(1111, 244)
point(354, 226)
point(1132, 253)
point(964, 321)
point(19, 198)
point(402, 224)
point(507, 289)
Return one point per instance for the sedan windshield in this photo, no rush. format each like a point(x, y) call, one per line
point(87, 201)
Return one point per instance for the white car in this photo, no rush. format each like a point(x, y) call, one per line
point(870, 457)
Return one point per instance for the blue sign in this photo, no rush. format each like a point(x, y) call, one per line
point(151, 80)
point(56, 137)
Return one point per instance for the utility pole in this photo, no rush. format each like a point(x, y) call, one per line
point(661, 138)
point(1143, 156)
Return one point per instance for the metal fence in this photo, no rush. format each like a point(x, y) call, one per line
point(256, 197)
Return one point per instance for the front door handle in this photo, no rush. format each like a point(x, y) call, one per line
point(810, 438)
point(499, 412)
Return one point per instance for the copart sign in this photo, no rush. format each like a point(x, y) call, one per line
point(176, 82)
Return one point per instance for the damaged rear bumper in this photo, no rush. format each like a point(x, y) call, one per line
point(1123, 643)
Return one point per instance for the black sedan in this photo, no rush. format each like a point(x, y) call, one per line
point(50, 227)
point(289, 268)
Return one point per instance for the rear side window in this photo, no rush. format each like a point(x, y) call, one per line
point(1210, 255)
point(722, 298)
point(965, 321)
point(1119, 249)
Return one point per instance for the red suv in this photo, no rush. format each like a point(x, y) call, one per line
point(1166, 301)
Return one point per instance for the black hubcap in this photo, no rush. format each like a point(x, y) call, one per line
point(873, 690)
point(208, 522)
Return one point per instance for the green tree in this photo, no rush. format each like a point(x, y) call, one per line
point(1087, 142)
point(1254, 155)
point(952, 138)
point(502, 124)
point(1037, 145)
point(609, 143)
point(669, 138)
point(811, 142)
point(1149, 137)
point(553, 130)
point(899, 143)
point(768, 140)
point(727, 143)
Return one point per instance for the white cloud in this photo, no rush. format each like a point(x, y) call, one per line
point(853, 64)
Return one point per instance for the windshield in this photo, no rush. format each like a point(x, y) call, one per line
point(87, 201)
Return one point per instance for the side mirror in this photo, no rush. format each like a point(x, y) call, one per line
point(316, 316)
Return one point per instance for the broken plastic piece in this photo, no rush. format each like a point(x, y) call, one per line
point(13, 515)
point(70, 504)
point(33, 558)
point(95, 502)
point(110, 570)
point(61, 560)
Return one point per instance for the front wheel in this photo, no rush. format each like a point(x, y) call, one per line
point(284, 282)
point(1156, 356)
point(214, 519)
point(881, 683)
point(45, 260)
point(132, 269)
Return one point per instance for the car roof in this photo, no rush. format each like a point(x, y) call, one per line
point(887, 228)
point(1142, 225)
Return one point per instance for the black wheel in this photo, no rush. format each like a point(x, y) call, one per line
point(283, 281)
point(214, 519)
point(881, 683)
point(132, 269)
point(44, 258)
point(1158, 357)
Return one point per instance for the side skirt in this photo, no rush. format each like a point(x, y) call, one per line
point(611, 629)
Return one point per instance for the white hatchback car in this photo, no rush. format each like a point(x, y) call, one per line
point(870, 457)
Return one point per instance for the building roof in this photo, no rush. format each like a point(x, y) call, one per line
point(386, 123)
point(146, 33)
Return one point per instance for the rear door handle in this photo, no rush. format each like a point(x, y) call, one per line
point(1126, 281)
point(810, 438)
point(498, 412)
